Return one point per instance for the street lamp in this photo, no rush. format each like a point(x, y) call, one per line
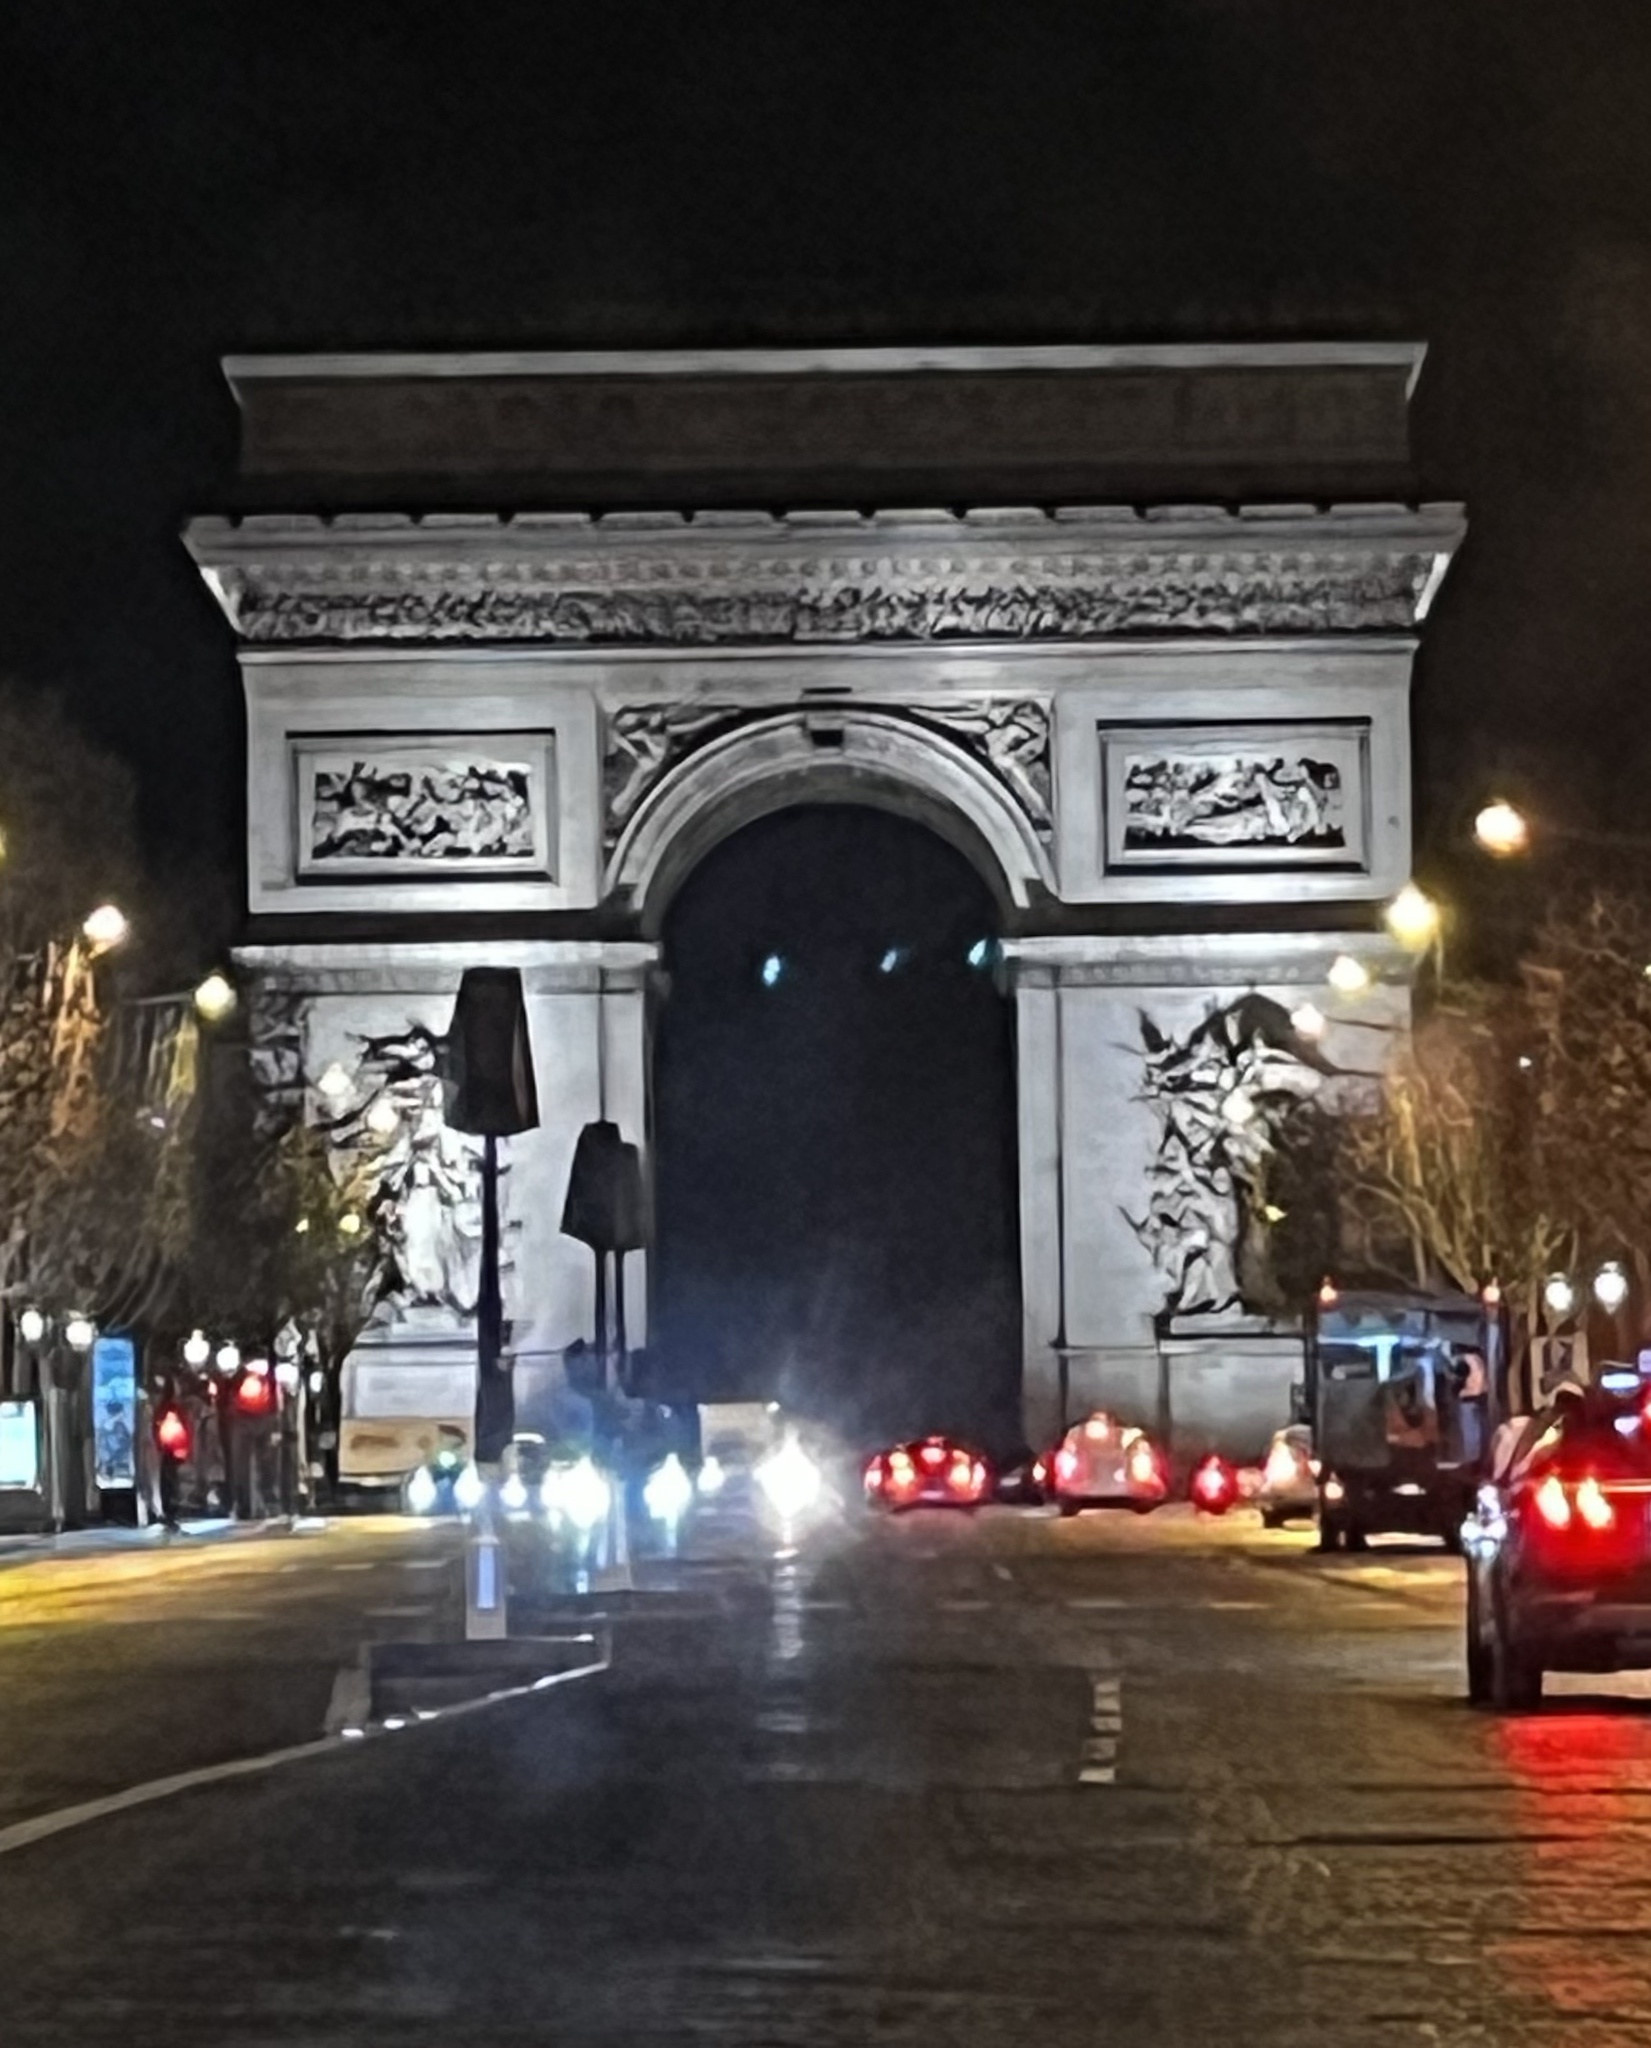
point(1610, 1287)
point(1558, 1295)
point(215, 998)
point(81, 1332)
point(229, 1359)
point(335, 1083)
point(1501, 830)
point(106, 927)
point(31, 1326)
point(383, 1119)
point(1413, 918)
point(1307, 1019)
point(1347, 976)
point(197, 1349)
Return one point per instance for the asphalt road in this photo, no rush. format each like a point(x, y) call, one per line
point(933, 1781)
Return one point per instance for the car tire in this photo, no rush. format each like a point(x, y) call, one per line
point(1069, 1508)
point(1271, 1519)
point(1354, 1537)
point(1330, 1534)
point(1451, 1538)
point(1515, 1675)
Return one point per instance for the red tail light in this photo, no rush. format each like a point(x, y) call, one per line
point(1552, 1503)
point(902, 1473)
point(874, 1476)
point(1066, 1462)
point(933, 1454)
point(957, 1477)
point(255, 1395)
point(172, 1433)
point(1214, 1485)
point(1592, 1505)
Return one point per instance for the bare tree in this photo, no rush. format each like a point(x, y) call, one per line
point(1443, 1182)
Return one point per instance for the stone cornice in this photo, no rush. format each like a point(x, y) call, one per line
point(747, 579)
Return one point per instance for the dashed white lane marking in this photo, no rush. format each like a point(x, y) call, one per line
point(1003, 1572)
point(964, 1606)
point(353, 1566)
point(395, 1613)
point(423, 1564)
point(1233, 1606)
point(1098, 1760)
point(1081, 1605)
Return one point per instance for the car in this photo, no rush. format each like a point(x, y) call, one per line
point(1101, 1462)
point(1022, 1479)
point(930, 1472)
point(1558, 1547)
point(450, 1483)
point(1289, 1490)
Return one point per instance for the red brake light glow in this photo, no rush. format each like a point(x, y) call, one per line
point(1066, 1462)
point(1214, 1486)
point(172, 1433)
point(1551, 1504)
point(933, 1454)
point(1592, 1505)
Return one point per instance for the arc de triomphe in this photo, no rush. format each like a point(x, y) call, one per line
point(522, 637)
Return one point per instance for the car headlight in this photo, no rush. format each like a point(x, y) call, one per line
point(422, 1492)
point(668, 1491)
point(790, 1479)
point(469, 1489)
point(711, 1477)
point(580, 1493)
point(513, 1495)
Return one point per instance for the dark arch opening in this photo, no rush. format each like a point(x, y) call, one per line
point(835, 1132)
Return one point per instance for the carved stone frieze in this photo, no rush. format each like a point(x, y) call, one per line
point(703, 596)
point(1009, 735)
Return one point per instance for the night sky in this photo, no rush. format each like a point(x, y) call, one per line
point(183, 181)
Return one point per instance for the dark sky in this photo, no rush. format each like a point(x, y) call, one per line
point(180, 181)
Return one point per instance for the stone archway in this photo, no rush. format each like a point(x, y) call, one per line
point(833, 1130)
point(841, 754)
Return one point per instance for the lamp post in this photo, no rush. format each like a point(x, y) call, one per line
point(1611, 1292)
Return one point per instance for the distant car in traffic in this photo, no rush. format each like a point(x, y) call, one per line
point(1559, 1547)
point(1289, 1488)
point(1101, 1462)
point(447, 1484)
point(1022, 1479)
point(931, 1472)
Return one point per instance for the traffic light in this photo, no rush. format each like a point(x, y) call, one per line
point(172, 1433)
point(256, 1394)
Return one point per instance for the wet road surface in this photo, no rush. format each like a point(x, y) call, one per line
point(930, 1781)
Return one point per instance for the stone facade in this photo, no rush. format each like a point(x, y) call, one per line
point(1174, 740)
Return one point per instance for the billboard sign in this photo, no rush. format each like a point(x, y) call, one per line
point(115, 1411)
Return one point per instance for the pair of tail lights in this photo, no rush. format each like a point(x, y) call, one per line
point(1583, 1505)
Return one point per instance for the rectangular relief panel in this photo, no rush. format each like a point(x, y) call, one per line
point(1268, 795)
point(423, 806)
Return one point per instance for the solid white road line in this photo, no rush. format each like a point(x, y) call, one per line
point(43, 1826)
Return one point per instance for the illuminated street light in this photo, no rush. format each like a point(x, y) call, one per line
point(1413, 918)
point(197, 1349)
point(1558, 1295)
point(1348, 977)
point(1610, 1287)
point(229, 1359)
point(106, 927)
point(335, 1083)
point(215, 998)
point(31, 1326)
point(1501, 830)
point(349, 1224)
point(81, 1332)
point(1239, 1108)
point(1308, 1020)
point(383, 1119)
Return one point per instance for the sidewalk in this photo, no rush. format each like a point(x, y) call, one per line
point(117, 1541)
